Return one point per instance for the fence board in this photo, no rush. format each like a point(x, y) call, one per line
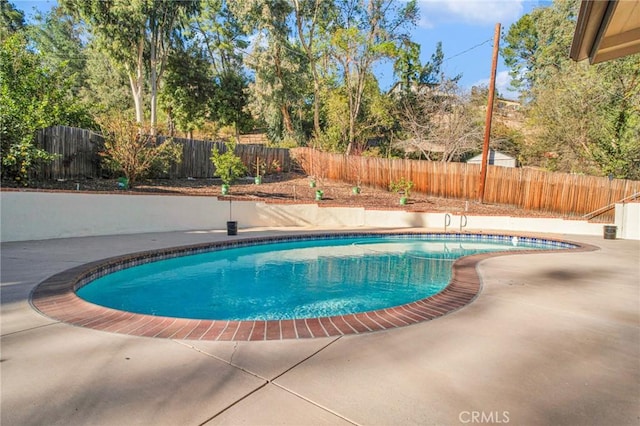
point(566, 194)
point(78, 155)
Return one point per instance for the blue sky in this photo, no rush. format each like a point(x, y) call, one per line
point(461, 25)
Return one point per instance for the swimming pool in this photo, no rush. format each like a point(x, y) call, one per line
point(292, 279)
point(56, 297)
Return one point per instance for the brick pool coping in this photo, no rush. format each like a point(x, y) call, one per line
point(56, 296)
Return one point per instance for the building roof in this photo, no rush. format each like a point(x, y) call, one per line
point(606, 29)
point(494, 157)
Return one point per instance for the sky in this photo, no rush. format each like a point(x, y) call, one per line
point(465, 28)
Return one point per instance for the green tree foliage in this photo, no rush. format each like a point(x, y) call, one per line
point(222, 39)
point(58, 39)
point(537, 45)
point(229, 101)
point(220, 35)
point(307, 76)
point(366, 33)
point(11, 19)
point(582, 118)
point(188, 87)
point(587, 119)
point(376, 121)
point(138, 35)
point(281, 81)
point(313, 20)
point(106, 91)
point(32, 97)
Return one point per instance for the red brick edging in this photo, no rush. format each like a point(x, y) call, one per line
point(56, 298)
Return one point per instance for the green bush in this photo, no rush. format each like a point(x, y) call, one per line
point(228, 165)
point(32, 97)
point(402, 186)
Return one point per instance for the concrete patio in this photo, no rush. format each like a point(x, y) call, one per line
point(552, 339)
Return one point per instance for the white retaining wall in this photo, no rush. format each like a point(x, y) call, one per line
point(44, 215)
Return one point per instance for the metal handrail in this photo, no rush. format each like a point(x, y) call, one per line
point(608, 207)
point(447, 221)
point(463, 216)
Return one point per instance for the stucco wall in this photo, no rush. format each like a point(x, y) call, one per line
point(628, 221)
point(43, 215)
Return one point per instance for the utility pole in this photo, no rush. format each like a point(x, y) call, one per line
point(487, 123)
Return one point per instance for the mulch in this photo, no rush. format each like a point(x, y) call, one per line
point(284, 188)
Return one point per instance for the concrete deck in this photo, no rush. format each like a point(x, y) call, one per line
point(551, 339)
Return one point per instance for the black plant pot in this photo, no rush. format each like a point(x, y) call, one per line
point(232, 227)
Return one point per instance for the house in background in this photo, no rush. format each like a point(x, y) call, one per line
point(495, 158)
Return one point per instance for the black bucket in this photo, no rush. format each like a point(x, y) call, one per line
point(232, 228)
point(610, 232)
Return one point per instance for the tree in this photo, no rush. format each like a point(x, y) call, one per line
point(187, 91)
point(229, 101)
point(375, 122)
point(582, 118)
point(228, 166)
point(537, 45)
point(32, 97)
point(366, 33)
point(440, 122)
point(313, 18)
point(280, 87)
point(11, 19)
point(220, 35)
point(137, 35)
point(106, 91)
point(587, 119)
point(520, 45)
point(58, 40)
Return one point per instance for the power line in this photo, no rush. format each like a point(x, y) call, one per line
point(467, 50)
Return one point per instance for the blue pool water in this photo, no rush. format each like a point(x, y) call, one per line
point(284, 280)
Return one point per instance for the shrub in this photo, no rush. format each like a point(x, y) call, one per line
point(402, 186)
point(228, 165)
point(131, 149)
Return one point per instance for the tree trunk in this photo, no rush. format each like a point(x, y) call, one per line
point(316, 104)
point(286, 118)
point(136, 81)
point(154, 90)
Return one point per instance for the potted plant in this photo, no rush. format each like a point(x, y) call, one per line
point(312, 182)
point(261, 168)
point(356, 189)
point(228, 166)
point(402, 187)
point(319, 194)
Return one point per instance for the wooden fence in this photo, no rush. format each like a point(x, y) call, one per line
point(77, 151)
point(567, 194)
point(78, 155)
